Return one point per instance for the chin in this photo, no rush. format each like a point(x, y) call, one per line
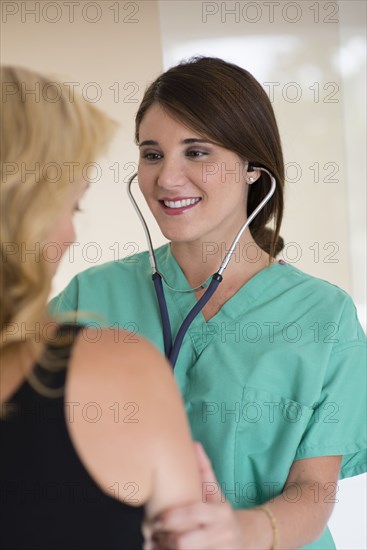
point(178, 236)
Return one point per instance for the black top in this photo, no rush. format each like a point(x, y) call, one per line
point(48, 499)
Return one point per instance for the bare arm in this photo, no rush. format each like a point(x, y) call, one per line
point(301, 511)
point(130, 429)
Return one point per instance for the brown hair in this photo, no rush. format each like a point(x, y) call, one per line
point(225, 103)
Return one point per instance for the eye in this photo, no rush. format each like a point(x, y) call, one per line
point(196, 153)
point(152, 156)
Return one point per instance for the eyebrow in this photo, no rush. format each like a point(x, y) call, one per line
point(184, 141)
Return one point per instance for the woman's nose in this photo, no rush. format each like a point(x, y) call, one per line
point(171, 174)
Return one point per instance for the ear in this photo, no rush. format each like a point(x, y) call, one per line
point(253, 174)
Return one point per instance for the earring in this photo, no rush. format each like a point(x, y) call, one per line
point(250, 180)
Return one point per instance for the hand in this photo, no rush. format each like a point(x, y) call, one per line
point(202, 525)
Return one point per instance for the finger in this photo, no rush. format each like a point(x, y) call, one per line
point(203, 459)
point(211, 491)
point(165, 541)
point(218, 536)
point(223, 534)
point(200, 539)
point(185, 518)
point(147, 534)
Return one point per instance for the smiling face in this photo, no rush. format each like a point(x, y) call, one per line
point(195, 189)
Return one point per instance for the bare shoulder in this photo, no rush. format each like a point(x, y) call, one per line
point(126, 408)
point(119, 364)
point(117, 348)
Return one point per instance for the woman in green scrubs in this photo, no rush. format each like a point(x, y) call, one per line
point(272, 371)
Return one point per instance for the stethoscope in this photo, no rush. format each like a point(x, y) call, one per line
point(171, 348)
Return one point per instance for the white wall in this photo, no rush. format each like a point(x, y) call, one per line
point(110, 51)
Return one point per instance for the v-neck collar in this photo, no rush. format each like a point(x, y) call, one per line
point(234, 308)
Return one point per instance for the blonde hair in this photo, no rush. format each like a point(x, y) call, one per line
point(47, 136)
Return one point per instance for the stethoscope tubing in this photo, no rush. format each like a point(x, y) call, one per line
point(216, 279)
point(166, 324)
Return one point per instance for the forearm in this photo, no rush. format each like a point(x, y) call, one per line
point(300, 513)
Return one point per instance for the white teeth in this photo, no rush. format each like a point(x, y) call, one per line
point(180, 204)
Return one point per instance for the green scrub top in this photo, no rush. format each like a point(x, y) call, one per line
point(277, 375)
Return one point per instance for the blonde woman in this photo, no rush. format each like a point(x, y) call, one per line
point(93, 429)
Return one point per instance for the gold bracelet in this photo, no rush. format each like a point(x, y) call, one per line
point(265, 508)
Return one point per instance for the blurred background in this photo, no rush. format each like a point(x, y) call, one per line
point(310, 57)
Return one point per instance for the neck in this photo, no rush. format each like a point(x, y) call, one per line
point(199, 260)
